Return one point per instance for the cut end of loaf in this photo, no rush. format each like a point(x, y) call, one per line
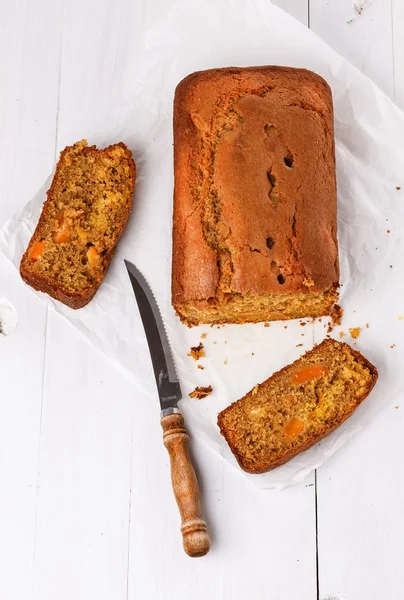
point(250, 308)
point(83, 217)
point(297, 406)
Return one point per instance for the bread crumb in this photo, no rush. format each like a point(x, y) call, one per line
point(398, 187)
point(342, 334)
point(393, 346)
point(285, 326)
point(298, 345)
point(355, 332)
point(197, 352)
point(396, 406)
point(302, 324)
point(336, 316)
point(367, 325)
point(400, 318)
point(225, 362)
point(201, 392)
point(302, 334)
point(215, 342)
point(391, 266)
point(388, 230)
point(267, 325)
point(200, 367)
point(203, 336)
point(252, 353)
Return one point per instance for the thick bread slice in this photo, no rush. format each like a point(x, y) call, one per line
point(296, 407)
point(86, 210)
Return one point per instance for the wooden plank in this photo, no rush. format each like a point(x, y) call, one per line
point(275, 541)
point(29, 69)
point(397, 20)
point(365, 39)
point(299, 9)
point(263, 542)
point(29, 64)
point(85, 470)
point(86, 447)
point(359, 494)
point(22, 359)
point(99, 56)
point(361, 528)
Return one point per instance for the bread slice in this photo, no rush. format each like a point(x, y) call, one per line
point(296, 407)
point(81, 222)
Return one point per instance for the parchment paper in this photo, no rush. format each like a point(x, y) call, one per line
point(201, 34)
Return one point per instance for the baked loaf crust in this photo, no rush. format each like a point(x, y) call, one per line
point(86, 210)
point(296, 407)
point(254, 227)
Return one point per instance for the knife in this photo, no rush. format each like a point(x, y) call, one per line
point(195, 536)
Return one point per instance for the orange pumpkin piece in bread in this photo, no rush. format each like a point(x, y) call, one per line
point(82, 219)
point(37, 250)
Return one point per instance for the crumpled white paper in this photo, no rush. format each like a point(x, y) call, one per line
point(201, 34)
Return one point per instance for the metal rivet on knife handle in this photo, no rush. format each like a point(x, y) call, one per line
point(185, 485)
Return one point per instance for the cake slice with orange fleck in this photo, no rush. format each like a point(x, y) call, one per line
point(82, 219)
point(296, 407)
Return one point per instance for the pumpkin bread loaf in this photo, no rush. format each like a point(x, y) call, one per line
point(254, 235)
point(81, 222)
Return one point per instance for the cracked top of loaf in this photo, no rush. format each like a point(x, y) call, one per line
point(255, 188)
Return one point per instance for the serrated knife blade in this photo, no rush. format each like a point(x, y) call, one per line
point(168, 386)
point(195, 537)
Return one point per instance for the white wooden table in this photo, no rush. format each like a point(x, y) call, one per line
point(86, 509)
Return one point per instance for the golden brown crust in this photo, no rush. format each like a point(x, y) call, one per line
point(328, 345)
point(46, 283)
point(255, 189)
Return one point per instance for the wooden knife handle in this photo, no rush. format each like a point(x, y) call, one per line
point(195, 537)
